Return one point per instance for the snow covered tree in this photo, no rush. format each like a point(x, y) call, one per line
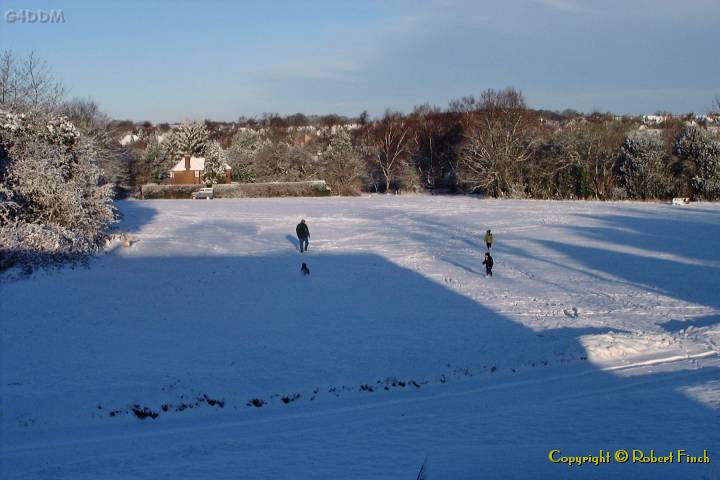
point(152, 166)
point(51, 204)
point(284, 162)
point(190, 138)
point(641, 166)
point(215, 161)
point(112, 158)
point(341, 166)
point(697, 145)
point(244, 148)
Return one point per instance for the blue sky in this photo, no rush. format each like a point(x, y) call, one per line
point(166, 61)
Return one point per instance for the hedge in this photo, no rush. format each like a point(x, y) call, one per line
point(314, 188)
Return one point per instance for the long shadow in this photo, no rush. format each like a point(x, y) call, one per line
point(134, 214)
point(251, 327)
point(675, 326)
point(668, 277)
point(692, 237)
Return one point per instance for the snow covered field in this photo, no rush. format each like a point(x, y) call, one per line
point(599, 330)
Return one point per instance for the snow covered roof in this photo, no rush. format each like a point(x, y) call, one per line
point(196, 163)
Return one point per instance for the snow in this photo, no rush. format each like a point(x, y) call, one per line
point(196, 163)
point(600, 329)
point(128, 139)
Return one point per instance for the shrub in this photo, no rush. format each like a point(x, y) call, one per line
point(697, 145)
point(152, 191)
point(641, 166)
point(314, 188)
point(51, 206)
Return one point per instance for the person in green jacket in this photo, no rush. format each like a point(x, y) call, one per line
point(488, 239)
point(303, 234)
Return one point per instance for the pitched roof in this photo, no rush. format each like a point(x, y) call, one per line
point(196, 163)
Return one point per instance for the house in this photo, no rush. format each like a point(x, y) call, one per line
point(189, 170)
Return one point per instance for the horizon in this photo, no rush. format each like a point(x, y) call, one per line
point(166, 62)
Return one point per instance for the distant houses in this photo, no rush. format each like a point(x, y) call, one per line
point(189, 171)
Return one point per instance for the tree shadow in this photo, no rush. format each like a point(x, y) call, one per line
point(134, 214)
point(695, 237)
point(668, 277)
point(675, 326)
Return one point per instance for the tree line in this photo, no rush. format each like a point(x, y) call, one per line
point(61, 162)
point(493, 144)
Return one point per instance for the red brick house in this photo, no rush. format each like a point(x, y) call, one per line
point(189, 171)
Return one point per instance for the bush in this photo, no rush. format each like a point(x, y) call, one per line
point(51, 206)
point(314, 188)
point(152, 191)
point(641, 166)
point(697, 145)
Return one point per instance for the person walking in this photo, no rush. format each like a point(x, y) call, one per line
point(303, 234)
point(488, 262)
point(488, 239)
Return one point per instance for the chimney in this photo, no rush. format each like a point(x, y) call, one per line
point(187, 162)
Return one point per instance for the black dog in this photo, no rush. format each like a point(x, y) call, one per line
point(304, 269)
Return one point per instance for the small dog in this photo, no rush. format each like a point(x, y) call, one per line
point(304, 269)
point(122, 237)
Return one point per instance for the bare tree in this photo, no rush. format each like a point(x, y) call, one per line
point(112, 158)
point(500, 136)
point(595, 147)
point(29, 83)
point(388, 146)
point(436, 135)
point(8, 78)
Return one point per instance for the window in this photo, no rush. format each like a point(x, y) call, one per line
point(197, 173)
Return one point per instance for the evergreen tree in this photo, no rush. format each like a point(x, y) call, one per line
point(190, 138)
point(215, 162)
point(243, 151)
point(697, 145)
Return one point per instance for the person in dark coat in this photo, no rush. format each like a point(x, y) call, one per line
point(303, 234)
point(488, 262)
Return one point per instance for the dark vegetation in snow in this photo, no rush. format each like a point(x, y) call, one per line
point(143, 412)
point(386, 384)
